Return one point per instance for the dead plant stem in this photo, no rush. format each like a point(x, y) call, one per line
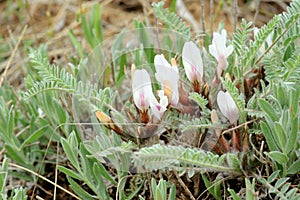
point(257, 2)
point(186, 189)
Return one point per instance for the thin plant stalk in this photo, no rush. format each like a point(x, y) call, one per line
point(211, 16)
point(257, 2)
point(202, 16)
point(235, 14)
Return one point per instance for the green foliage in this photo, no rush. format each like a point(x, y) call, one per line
point(59, 80)
point(17, 146)
point(214, 187)
point(92, 26)
point(144, 38)
point(196, 123)
point(250, 191)
point(119, 58)
point(280, 187)
point(178, 157)
point(259, 40)
point(3, 175)
point(16, 193)
point(199, 99)
point(241, 46)
point(52, 77)
point(23, 132)
point(105, 148)
point(47, 111)
point(159, 191)
point(57, 84)
point(241, 38)
point(89, 171)
point(76, 44)
point(277, 66)
point(7, 134)
point(282, 71)
point(173, 21)
point(281, 127)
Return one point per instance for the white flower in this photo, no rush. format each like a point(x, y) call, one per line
point(192, 62)
point(163, 100)
point(168, 77)
point(143, 96)
point(228, 106)
point(219, 50)
point(158, 109)
point(141, 89)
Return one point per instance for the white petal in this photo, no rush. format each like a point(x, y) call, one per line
point(220, 43)
point(175, 96)
point(221, 102)
point(218, 46)
point(213, 51)
point(160, 93)
point(157, 111)
point(229, 50)
point(224, 35)
point(165, 73)
point(228, 106)
point(188, 70)
point(163, 101)
point(141, 86)
point(159, 60)
point(191, 57)
point(162, 73)
point(162, 68)
point(157, 108)
point(222, 63)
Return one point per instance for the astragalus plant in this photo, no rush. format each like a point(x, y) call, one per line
point(154, 114)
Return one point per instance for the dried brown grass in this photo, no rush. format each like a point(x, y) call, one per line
point(49, 22)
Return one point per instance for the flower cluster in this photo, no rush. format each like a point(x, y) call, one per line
point(143, 96)
point(151, 105)
point(168, 77)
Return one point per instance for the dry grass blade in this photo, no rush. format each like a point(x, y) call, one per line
point(12, 55)
point(185, 14)
point(42, 177)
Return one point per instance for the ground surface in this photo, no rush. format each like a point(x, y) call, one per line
point(50, 22)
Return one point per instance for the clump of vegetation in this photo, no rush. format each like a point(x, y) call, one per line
point(155, 114)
